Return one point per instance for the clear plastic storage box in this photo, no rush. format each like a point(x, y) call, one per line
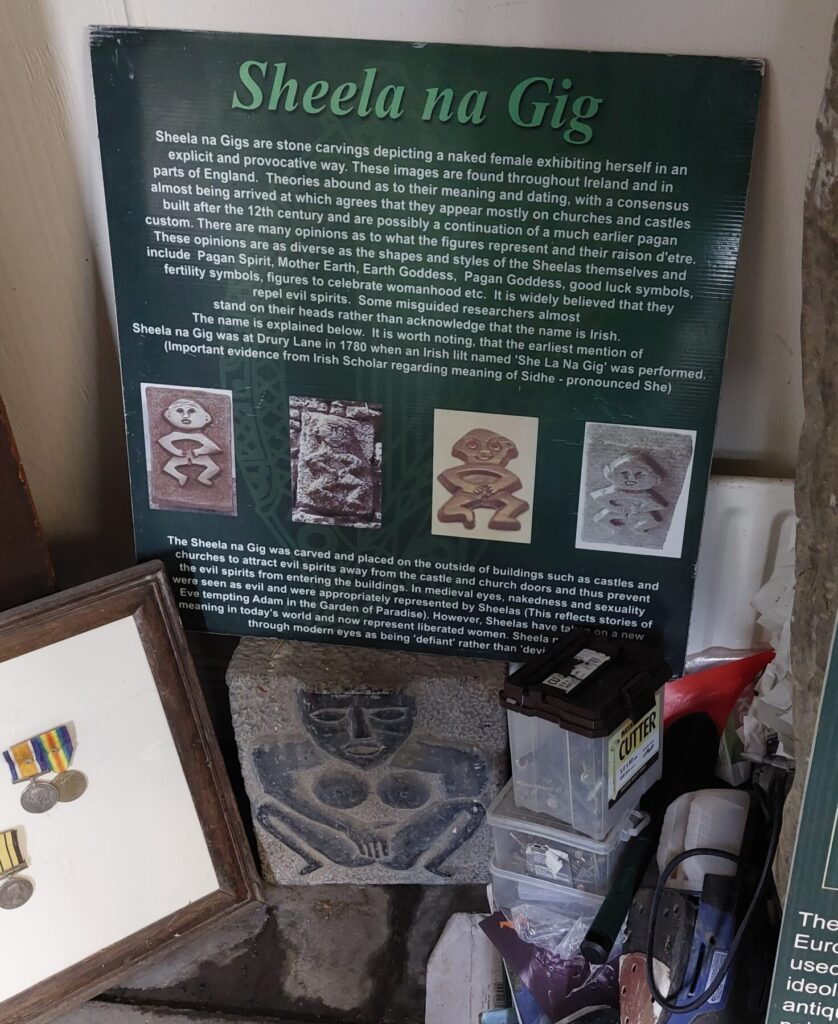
point(511, 891)
point(538, 846)
point(585, 730)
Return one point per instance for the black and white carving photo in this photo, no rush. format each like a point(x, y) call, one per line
point(634, 488)
point(335, 462)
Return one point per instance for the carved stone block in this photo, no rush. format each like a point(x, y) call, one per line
point(368, 766)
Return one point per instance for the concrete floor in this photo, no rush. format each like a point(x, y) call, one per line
point(354, 954)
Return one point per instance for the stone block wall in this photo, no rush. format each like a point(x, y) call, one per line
point(816, 488)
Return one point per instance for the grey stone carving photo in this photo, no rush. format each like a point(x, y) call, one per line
point(335, 462)
point(368, 766)
point(634, 488)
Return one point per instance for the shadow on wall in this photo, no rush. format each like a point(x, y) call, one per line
point(107, 544)
point(59, 371)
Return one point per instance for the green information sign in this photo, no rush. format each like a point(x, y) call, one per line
point(421, 344)
point(805, 986)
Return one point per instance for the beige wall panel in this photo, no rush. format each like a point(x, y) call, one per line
point(58, 369)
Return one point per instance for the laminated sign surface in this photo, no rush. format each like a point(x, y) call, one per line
point(805, 985)
point(421, 345)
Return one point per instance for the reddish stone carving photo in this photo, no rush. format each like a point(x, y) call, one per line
point(484, 475)
point(483, 481)
point(190, 449)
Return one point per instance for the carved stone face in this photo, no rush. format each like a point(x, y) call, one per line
point(361, 728)
point(185, 414)
point(481, 445)
point(633, 471)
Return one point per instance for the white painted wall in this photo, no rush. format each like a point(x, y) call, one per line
point(58, 372)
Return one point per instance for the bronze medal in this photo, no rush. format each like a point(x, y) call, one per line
point(70, 785)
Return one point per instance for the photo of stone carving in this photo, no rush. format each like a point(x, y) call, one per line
point(483, 481)
point(335, 462)
point(367, 766)
point(630, 501)
point(190, 452)
point(634, 488)
point(484, 466)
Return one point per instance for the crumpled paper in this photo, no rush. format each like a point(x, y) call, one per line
point(768, 726)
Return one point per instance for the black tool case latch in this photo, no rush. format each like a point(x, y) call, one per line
point(638, 695)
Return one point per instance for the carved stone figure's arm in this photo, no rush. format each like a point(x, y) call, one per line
point(168, 442)
point(299, 833)
point(449, 481)
point(603, 492)
point(467, 479)
point(656, 502)
point(277, 767)
point(207, 447)
point(439, 830)
point(505, 480)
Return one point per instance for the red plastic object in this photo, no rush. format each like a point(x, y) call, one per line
point(714, 691)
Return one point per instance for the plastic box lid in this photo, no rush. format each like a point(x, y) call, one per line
point(505, 813)
point(588, 684)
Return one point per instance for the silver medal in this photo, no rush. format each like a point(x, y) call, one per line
point(39, 797)
point(15, 893)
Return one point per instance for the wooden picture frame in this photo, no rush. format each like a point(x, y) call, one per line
point(106, 609)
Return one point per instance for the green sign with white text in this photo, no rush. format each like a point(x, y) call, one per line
point(422, 344)
point(805, 985)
